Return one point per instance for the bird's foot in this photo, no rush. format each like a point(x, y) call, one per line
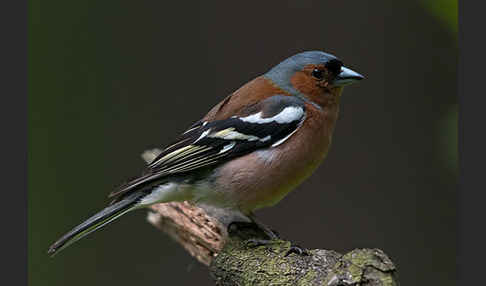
point(297, 250)
point(256, 229)
point(275, 234)
point(270, 233)
point(255, 242)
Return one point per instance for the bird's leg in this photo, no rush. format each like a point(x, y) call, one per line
point(234, 226)
point(270, 233)
point(273, 236)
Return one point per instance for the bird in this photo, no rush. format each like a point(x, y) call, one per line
point(248, 152)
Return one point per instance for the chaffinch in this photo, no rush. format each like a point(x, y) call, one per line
point(248, 152)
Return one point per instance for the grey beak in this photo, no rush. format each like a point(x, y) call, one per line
point(347, 76)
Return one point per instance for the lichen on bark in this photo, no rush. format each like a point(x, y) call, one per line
point(241, 263)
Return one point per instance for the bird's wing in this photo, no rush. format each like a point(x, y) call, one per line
point(264, 125)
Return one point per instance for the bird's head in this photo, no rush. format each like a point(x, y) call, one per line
point(313, 75)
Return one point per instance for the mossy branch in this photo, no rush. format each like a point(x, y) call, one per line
point(232, 260)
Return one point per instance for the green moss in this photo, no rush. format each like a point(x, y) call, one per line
point(308, 279)
point(370, 257)
point(240, 263)
point(361, 265)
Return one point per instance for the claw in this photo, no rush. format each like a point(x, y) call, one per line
point(297, 250)
point(277, 235)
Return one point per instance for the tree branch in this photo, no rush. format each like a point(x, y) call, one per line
point(202, 236)
point(234, 261)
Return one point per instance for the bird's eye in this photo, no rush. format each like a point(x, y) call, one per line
point(317, 74)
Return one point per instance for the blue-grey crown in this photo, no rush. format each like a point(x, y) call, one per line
point(281, 73)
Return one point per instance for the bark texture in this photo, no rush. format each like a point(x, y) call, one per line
point(201, 235)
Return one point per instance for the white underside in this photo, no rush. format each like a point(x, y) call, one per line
point(168, 192)
point(171, 192)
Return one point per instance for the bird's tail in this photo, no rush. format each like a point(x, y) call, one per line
point(96, 222)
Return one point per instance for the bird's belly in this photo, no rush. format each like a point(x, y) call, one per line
point(278, 182)
point(264, 177)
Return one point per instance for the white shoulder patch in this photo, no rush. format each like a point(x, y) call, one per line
point(287, 115)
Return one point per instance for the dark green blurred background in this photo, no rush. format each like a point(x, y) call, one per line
point(108, 79)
